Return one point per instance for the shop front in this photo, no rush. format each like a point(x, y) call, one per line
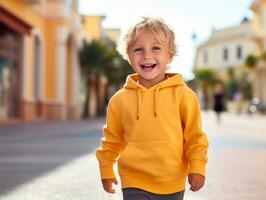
point(12, 30)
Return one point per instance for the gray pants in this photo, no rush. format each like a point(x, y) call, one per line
point(138, 194)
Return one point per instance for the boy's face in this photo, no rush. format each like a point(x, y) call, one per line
point(148, 57)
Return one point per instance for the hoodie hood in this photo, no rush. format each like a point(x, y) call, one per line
point(173, 79)
point(132, 82)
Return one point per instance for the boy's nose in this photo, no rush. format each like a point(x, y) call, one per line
point(147, 55)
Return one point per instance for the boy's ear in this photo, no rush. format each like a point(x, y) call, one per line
point(129, 58)
point(170, 59)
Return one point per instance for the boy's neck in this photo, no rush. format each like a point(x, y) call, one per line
point(149, 83)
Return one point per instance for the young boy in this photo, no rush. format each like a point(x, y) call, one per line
point(153, 127)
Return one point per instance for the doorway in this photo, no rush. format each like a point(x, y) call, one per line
point(10, 57)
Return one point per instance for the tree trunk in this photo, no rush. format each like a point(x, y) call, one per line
point(89, 107)
point(85, 112)
point(101, 94)
point(206, 100)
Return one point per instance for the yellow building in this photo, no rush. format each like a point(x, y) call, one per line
point(91, 27)
point(39, 73)
point(112, 34)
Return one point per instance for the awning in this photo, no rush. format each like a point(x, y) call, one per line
point(14, 22)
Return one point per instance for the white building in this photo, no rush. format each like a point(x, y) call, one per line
point(229, 47)
point(226, 48)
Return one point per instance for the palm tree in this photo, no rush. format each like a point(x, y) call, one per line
point(91, 56)
point(205, 78)
point(101, 59)
point(251, 61)
point(116, 68)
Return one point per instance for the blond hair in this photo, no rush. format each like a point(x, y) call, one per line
point(162, 32)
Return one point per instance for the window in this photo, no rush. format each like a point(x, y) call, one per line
point(239, 52)
point(225, 54)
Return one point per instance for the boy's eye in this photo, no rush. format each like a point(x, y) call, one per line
point(137, 50)
point(156, 48)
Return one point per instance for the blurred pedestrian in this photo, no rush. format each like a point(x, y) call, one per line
point(153, 124)
point(219, 101)
point(238, 97)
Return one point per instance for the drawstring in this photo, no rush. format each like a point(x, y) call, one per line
point(175, 93)
point(139, 102)
point(156, 93)
point(156, 100)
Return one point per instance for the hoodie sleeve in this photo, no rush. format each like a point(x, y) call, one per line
point(195, 140)
point(111, 143)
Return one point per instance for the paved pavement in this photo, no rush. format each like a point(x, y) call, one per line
point(236, 168)
point(55, 161)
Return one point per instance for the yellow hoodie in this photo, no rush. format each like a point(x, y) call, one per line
point(156, 135)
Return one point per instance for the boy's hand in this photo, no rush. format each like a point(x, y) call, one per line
point(108, 185)
point(196, 181)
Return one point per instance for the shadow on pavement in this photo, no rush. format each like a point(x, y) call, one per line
point(28, 151)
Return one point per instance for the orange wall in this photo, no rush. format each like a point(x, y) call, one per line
point(51, 57)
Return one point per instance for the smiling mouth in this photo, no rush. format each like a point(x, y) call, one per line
point(148, 66)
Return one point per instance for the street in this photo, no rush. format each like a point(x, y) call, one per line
point(56, 161)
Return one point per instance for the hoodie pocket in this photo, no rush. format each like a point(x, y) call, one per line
point(156, 158)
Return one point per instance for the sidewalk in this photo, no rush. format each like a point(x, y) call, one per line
point(65, 152)
point(236, 167)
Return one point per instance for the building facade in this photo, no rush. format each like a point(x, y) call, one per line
point(91, 28)
point(229, 47)
point(39, 72)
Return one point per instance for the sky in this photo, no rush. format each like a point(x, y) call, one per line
point(187, 17)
